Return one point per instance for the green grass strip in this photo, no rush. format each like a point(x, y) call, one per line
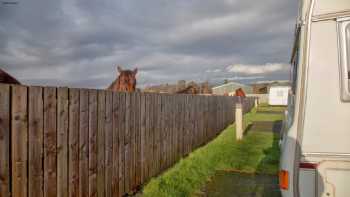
point(258, 152)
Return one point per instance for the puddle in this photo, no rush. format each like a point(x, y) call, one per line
point(266, 126)
point(269, 112)
point(232, 184)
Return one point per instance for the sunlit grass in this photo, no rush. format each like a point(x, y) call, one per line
point(257, 153)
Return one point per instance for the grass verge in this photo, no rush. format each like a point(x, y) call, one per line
point(257, 153)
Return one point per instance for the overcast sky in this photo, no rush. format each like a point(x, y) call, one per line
point(79, 43)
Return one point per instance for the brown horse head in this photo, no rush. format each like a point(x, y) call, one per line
point(6, 78)
point(125, 82)
point(240, 92)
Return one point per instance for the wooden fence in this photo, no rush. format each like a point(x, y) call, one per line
point(77, 142)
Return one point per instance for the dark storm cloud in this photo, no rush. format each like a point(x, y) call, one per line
point(80, 43)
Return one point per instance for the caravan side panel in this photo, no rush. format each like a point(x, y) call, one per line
point(327, 118)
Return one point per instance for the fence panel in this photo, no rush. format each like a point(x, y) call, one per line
point(78, 142)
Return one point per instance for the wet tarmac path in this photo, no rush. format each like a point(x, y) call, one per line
point(233, 184)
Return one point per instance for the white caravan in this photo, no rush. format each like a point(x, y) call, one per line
point(278, 95)
point(315, 145)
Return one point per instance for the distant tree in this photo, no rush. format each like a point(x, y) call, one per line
point(226, 81)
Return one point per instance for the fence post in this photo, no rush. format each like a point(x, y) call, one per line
point(256, 102)
point(239, 121)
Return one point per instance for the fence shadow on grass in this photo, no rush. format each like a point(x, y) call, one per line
point(268, 166)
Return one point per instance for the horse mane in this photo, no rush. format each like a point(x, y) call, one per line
point(6, 78)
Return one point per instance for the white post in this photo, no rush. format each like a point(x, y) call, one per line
point(239, 121)
point(256, 103)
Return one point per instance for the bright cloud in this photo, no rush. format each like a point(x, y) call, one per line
point(257, 69)
point(213, 70)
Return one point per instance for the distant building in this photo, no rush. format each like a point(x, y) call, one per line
point(262, 87)
point(162, 88)
point(181, 85)
point(230, 88)
point(181, 88)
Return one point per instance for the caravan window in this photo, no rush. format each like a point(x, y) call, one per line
point(344, 40)
point(294, 69)
point(294, 72)
point(347, 37)
point(295, 61)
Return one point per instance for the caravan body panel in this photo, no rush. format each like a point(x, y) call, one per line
point(316, 144)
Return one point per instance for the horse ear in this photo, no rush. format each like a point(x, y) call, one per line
point(135, 71)
point(119, 69)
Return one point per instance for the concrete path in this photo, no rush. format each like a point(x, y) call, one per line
point(234, 184)
point(230, 184)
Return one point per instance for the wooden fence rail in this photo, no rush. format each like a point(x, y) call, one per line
point(77, 142)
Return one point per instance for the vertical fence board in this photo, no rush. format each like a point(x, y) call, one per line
point(148, 139)
point(5, 141)
point(196, 122)
point(115, 149)
point(143, 137)
point(152, 136)
point(50, 140)
point(162, 134)
point(121, 128)
point(166, 131)
point(93, 127)
point(138, 138)
point(127, 161)
point(206, 119)
point(147, 136)
point(191, 124)
point(200, 121)
point(84, 143)
point(186, 125)
point(109, 144)
point(19, 126)
point(73, 142)
point(171, 130)
point(155, 146)
point(191, 127)
point(158, 133)
point(101, 143)
point(176, 129)
point(132, 141)
point(181, 126)
point(62, 142)
point(35, 139)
